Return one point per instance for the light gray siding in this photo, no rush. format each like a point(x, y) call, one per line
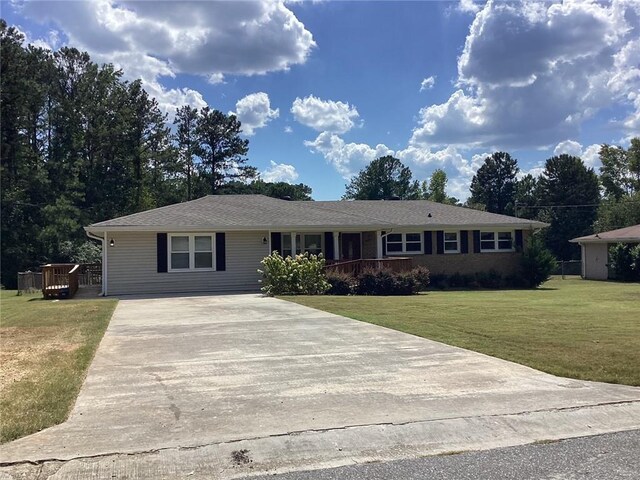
point(595, 258)
point(132, 266)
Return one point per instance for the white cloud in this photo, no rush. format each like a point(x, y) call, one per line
point(428, 83)
point(280, 172)
point(324, 115)
point(347, 158)
point(288, 129)
point(589, 155)
point(532, 72)
point(254, 111)
point(215, 78)
point(570, 147)
point(156, 39)
point(468, 6)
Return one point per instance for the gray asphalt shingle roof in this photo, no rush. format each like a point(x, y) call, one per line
point(253, 212)
point(628, 234)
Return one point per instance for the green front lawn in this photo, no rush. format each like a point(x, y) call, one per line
point(572, 328)
point(45, 349)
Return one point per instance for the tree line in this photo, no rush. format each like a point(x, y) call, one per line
point(79, 144)
point(571, 197)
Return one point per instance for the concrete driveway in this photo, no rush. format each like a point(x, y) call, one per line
point(210, 376)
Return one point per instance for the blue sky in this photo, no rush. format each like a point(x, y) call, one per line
point(323, 88)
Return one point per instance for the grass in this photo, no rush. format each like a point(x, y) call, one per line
point(572, 328)
point(45, 349)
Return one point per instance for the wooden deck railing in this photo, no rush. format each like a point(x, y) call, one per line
point(354, 267)
point(90, 274)
point(60, 280)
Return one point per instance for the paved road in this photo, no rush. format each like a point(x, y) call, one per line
point(613, 456)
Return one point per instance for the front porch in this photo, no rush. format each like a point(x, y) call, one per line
point(344, 251)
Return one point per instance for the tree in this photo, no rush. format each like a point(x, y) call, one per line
point(494, 184)
point(275, 190)
point(526, 197)
point(570, 193)
point(222, 151)
point(436, 189)
point(186, 121)
point(620, 171)
point(620, 177)
point(384, 178)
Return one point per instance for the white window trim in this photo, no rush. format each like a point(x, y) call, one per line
point(444, 242)
point(495, 248)
point(404, 244)
point(300, 244)
point(192, 252)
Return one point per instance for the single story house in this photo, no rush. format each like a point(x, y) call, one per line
point(216, 243)
point(595, 250)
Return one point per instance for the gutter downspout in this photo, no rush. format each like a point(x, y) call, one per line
point(103, 240)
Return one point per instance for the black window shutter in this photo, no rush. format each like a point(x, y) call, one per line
point(162, 252)
point(328, 245)
point(384, 245)
point(464, 241)
point(476, 241)
point(428, 242)
point(519, 239)
point(276, 242)
point(440, 242)
point(221, 255)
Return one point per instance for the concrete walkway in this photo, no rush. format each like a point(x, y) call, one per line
point(222, 386)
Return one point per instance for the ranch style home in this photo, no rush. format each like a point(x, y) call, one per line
point(215, 243)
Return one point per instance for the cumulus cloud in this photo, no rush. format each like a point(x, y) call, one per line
point(428, 83)
point(349, 158)
point(280, 172)
point(288, 129)
point(254, 111)
point(324, 115)
point(570, 147)
point(346, 158)
point(536, 81)
point(589, 155)
point(468, 6)
point(212, 39)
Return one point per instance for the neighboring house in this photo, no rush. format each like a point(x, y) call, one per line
point(216, 243)
point(595, 250)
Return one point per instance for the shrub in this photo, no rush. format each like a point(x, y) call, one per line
point(491, 279)
point(301, 275)
point(386, 282)
point(340, 283)
point(422, 278)
point(625, 262)
point(537, 263)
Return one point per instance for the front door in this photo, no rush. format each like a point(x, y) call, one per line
point(351, 246)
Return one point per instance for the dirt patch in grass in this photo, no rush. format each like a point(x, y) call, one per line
point(45, 350)
point(23, 349)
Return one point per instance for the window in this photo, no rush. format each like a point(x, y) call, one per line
point(451, 242)
point(496, 241)
point(305, 242)
point(313, 243)
point(190, 252)
point(404, 243)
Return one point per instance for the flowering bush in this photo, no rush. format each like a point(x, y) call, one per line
point(299, 275)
